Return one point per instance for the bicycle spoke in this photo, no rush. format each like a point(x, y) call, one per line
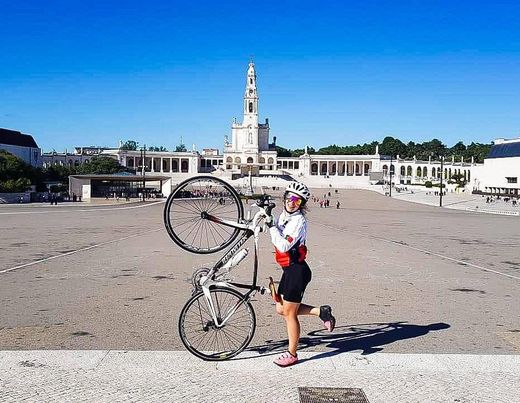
point(193, 228)
point(188, 207)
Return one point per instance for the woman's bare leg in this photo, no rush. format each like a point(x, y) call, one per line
point(305, 309)
point(290, 314)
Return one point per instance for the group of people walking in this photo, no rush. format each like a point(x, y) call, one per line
point(325, 201)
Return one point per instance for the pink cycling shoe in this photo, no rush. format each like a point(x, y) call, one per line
point(286, 359)
point(329, 321)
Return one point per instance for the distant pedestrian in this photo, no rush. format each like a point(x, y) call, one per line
point(337, 204)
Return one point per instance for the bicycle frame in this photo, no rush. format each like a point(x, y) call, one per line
point(251, 228)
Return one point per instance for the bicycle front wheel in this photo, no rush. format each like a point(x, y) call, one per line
point(204, 338)
point(190, 201)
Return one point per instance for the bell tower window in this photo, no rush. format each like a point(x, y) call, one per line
point(250, 107)
point(250, 138)
point(250, 81)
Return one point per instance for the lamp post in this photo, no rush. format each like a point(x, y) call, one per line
point(391, 160)
point(143, 171)
point(442, 173)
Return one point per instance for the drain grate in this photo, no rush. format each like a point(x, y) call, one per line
point(330, 395)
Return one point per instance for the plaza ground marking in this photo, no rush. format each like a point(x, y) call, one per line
point(79, 250)
point(93, 208)
point(426, 251)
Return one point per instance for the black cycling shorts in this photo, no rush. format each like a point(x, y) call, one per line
point(294, 281)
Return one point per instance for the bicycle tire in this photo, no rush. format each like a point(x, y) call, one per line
point(184, 207)
point(201, 337)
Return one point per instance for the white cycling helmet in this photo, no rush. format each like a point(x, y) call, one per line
point(299, 189)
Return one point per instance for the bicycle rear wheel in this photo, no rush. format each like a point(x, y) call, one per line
point(185, 207)
point(203, 338)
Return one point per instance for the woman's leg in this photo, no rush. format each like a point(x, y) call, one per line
point(324, 312)
point(290, 314)
point(305, 309)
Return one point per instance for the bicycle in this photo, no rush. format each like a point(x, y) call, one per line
point(205, 215)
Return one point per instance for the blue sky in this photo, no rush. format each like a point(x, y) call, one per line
point(75, 72)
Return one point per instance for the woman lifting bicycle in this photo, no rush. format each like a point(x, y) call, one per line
point(288, 235)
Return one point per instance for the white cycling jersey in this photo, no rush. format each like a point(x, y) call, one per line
point(290, 229)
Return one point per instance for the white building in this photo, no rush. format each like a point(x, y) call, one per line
point(501, 169)
point(21, 145)
point(80, 156)
point(250, 151)
point(167, 162)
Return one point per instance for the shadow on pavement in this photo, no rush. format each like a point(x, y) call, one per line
point(367, 337)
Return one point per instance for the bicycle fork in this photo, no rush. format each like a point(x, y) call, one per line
point(213, 311)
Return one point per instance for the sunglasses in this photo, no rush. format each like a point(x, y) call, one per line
point(294, 199)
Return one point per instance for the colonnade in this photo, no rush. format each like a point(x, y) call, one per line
point(160, 164)
point(426, 172)
point(341, 168)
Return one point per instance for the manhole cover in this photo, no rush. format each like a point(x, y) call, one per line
point(330, 395)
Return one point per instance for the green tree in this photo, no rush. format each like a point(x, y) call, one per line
point(129, 145)
point(478, 151)
point(283, 152)
point(300, 151)
point(391, 146)
point(16, 175)
point(15, 185)
point(153, 148)
point(330, 150)
point(101, 165)
point(458, 179)
point(58, 173)
point(458, 150)
point(297, 152)
point(434, 148)
point(181, 148)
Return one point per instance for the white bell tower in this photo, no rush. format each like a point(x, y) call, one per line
point(245, 135)
point(249, 146)
point(251, 98)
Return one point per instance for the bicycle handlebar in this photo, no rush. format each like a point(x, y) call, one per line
point(265, 202)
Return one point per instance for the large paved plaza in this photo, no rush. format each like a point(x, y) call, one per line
point(402, 278)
